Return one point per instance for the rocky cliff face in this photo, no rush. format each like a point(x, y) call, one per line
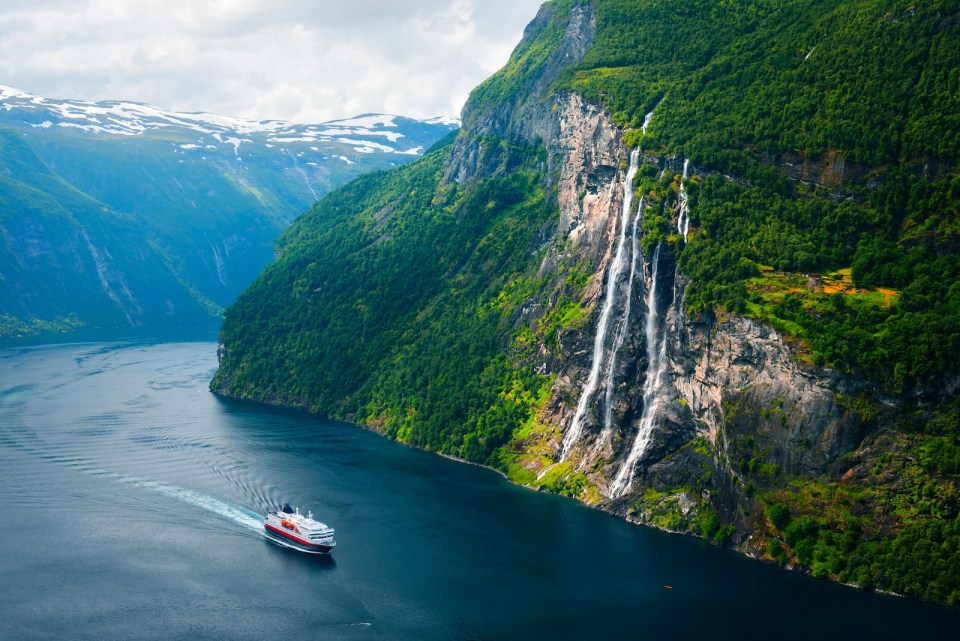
point(740, 378)
point(528, 113)
point(729, 389)
point(645, 401)
point(552, 257)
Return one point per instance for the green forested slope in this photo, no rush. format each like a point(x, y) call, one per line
point(383, 305)
point(823, 140)
point(868, 91)
point(67, 260)
point(865, 97)
point(206, 198)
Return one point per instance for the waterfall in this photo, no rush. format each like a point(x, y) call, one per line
point(649, 117)
point(646, 122)
point(616, 267)
point(656, 337)
point(624, 328)
point(683, 219)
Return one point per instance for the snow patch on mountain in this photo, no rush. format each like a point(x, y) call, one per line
point(392, 136)
point(443, 120)
point(367, 133)
point(365, 144)
point(367, 120)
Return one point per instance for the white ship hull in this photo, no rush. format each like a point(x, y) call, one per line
point(299, 531)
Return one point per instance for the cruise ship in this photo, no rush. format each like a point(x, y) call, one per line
point(301, 532)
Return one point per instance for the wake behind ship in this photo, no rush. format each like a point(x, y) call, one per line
point(301, 532)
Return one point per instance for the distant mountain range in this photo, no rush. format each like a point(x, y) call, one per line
point(122, 214)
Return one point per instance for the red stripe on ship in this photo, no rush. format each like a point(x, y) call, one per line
point(289, 536)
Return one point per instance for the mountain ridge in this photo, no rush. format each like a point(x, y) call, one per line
point(128, 118)
point(636, 298)
point(206, 194)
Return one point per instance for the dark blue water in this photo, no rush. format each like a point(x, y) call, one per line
point(129, 507)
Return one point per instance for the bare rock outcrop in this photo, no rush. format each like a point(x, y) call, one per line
point(742, 380)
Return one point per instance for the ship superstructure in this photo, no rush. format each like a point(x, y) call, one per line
point(299, 531)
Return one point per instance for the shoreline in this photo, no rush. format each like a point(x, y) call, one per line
point(599, 506)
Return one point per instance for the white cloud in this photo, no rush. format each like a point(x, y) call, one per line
point(298, 60)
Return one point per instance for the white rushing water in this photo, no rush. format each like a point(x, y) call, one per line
point(616, 268)
point(646, 122)
point(683, 219)
point(656, 337)
point(624, 329)
point(647, 118)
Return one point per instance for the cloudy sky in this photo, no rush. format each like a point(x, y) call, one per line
point(299, 60)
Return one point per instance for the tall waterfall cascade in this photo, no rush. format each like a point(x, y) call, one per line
point(655, 333)
point(609, 384)
point(626, 278)
point(600, 356)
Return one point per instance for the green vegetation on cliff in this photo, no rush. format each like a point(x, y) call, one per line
point(68, 260)
point(824, 202)
point(901, 342)
point(386, 304)
point(875, 80)
point(886, 519)
point(838, 123)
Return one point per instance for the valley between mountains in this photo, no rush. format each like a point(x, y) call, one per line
point(119, 214)
point(696, 264)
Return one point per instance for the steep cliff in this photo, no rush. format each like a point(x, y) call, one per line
point(661, 315)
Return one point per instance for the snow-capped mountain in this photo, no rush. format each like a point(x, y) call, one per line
point(121, 213)
point(340, 139)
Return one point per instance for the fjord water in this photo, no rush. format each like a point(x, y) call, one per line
point(129, 509)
